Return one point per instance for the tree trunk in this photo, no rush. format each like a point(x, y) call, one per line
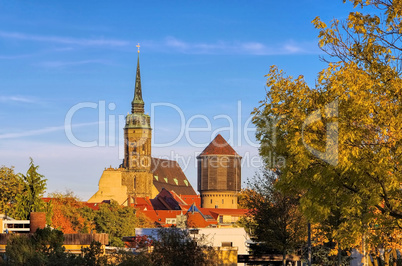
point(284, 258)
point(395, 256)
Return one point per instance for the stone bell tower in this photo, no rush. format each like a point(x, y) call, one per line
point(137, 148)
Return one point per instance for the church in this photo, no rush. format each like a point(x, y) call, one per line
point(142, 176)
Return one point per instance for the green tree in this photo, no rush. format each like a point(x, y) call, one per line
point(127, 258)
point(274, 219)
point(92, 255)
point(21, 251)
point(341, 139)
point(44, 247)
point(33, 189)
point(10, 188)
point(175, 246)
point(117, 221)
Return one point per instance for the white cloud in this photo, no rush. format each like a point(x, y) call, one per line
point(41, 131)
point(235, 47)
point(20, 99)
point(70, 63)
point(171, 43)
point(292, 48)
point(63, 40)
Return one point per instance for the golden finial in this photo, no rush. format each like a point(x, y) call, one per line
point(138, 46)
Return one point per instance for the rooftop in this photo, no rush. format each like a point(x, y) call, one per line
point(219, 146)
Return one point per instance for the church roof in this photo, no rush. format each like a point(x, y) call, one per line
point(168, 174)
point(219, 146)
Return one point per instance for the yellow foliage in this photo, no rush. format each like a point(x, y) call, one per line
point(341, 138)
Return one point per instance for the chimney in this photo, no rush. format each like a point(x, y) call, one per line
point(38, 220)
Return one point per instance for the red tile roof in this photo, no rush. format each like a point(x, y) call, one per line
point(196, 220)
point(142, 203)
point(93, 206)
point(165, 201)
point(201, 217)
point(231, 212)
point(188, 199)
point(159, 217)
point(170, 200)
point(219, 146)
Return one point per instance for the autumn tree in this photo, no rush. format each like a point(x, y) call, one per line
point(33, 189)
point(10, 188)
point(274, 219)
point(69, 214)
point(341, 138)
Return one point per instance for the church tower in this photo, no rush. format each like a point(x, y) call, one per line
point(140, 175)
point(137, 151)
point(137, 132)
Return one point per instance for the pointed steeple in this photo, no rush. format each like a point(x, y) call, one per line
point(137, 105)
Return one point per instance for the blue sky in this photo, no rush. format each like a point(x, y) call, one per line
point(201, 62)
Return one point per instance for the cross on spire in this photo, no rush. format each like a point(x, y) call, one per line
point(138, 46)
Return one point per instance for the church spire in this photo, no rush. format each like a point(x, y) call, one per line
point(137, 105)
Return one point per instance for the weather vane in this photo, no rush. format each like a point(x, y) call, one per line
point(138, 46)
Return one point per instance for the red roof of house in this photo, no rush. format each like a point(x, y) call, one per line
point(199, 217)
point(47, 199)
point(190, 199)
point(196, 220)
point(165, 201)
point(219, 146)
point(142, 203)
point(160, 216)
point(93, 206)
point(231, 212)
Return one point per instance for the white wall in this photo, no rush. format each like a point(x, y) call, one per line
point(213, 236)
point(237, 236)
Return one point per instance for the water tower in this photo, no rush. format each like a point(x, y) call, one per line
point(219, 175)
